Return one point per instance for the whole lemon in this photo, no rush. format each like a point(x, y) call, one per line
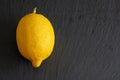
point(35, 37)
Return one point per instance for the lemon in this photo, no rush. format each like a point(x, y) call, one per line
point(35, 37)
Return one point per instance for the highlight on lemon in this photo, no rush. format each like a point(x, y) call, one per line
point(35, 37)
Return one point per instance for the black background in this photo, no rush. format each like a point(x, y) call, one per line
point(87, 40)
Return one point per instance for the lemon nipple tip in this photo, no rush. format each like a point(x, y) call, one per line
point(36, 63)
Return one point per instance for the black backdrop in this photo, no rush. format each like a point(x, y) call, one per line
point(87, 40)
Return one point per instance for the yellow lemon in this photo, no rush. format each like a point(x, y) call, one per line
point(35, 37)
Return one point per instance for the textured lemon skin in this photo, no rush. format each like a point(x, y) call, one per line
point(35, 38)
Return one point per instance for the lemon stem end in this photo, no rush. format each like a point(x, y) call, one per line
point(34, 10)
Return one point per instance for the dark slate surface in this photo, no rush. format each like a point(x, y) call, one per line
point(87, 40)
